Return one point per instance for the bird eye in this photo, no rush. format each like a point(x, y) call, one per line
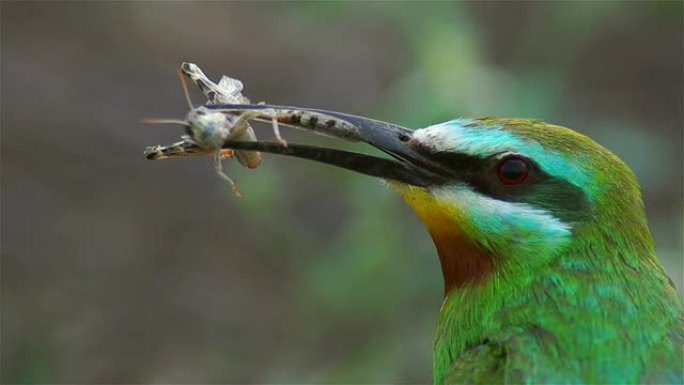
point(513, 170)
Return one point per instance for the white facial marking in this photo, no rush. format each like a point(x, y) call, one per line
point(520, 227)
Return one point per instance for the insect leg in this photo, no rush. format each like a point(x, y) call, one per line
point(175, 150)
point(274, 124)
point(219, 171)
point(241, 124)
point(226, 153)
point(182, 149)
point(209, 88)
point(276, 130)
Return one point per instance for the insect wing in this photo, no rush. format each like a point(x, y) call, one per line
point(230, 85)
point(233, 88)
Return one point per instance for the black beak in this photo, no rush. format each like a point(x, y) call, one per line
point(408, 163)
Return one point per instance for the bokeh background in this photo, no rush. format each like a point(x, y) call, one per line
point(120, 270)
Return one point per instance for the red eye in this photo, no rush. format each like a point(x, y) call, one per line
point(513, 170)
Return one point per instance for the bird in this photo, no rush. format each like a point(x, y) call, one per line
point(549, 268)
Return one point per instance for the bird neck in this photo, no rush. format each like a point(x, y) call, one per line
point(592, 305)
point(603, 288)
point(461, 260)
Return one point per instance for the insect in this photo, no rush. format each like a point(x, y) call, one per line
point(229, 91)
point(208, 129)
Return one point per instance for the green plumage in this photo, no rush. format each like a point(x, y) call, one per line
point(594, 306)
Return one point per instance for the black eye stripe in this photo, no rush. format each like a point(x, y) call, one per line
point(539, 189)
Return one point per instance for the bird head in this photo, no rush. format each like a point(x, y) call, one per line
point(521, 194)
point(500, 197)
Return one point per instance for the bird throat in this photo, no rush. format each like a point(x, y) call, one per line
point(462, 261)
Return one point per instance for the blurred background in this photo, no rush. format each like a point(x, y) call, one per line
point(120, 270)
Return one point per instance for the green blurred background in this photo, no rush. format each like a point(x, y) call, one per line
point(120, 270)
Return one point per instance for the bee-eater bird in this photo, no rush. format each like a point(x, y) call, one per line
point(550, 274)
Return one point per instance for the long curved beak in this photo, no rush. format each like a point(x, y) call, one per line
point(409, 163)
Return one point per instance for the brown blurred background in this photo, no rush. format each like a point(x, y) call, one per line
point(120, 270)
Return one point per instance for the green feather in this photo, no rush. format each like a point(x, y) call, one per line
point(594, 306)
